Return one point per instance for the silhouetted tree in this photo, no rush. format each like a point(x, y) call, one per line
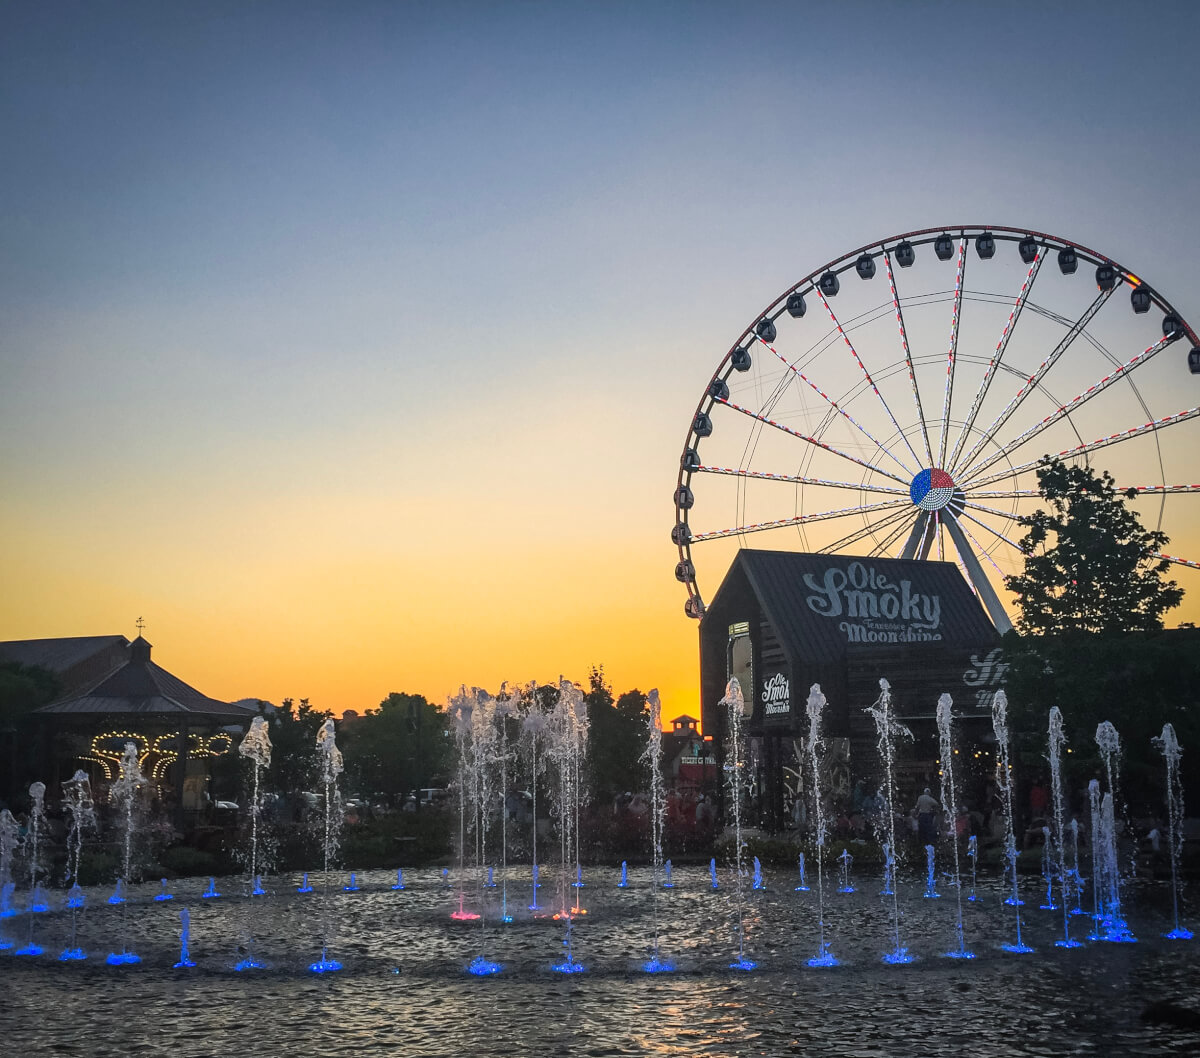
point(400, 746)
point(616, 739)
point(1090, 566)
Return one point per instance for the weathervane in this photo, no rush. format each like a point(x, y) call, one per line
point(140, 625)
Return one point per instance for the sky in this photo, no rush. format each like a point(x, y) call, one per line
point(353, 346)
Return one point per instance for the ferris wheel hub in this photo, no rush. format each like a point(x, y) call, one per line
point(932, 490)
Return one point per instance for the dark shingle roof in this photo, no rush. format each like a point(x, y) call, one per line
point(57, 655)
point(139, 687)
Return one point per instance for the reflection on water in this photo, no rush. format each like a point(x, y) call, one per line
point(405, 989)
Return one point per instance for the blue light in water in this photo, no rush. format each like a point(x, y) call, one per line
point(480, 967)
point(1016, 949)
point(72, 955)
point(972, 898)
point(827, 958)
point(799, 889)
point(399, 879)
point(1069, 942)
point(963, 954)
point(248, 964)
point(1013, 902)
point(743, 964)
point(5, 944)
point(658, 966)
point(75, 900)
point(1179, 933)
point(1048, 907)
point(325, 966)
point(164, 896)
point(124, 958)
point(29, 949)
point(258, 889)
point(568, 968)
point(899, 957)
point(506, 918)
point(212, 890)
point(184, 964)
point(847, 889)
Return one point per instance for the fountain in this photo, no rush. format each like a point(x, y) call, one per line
point(1048, 870)
point(1168, 745)
point(256, 746)
point(10, 839)
point(185, 929)
point(124, 796)
point(1056, 740)
point(330, 759)
point(506, 707)
point(652, 756)
point(973, 855)
point(1109, 921)
point(567, 739)
point(81, 814)
point(399, 879)
point(815, 747)
point(931, 892)
point(211, 892)
point(887, 730)
point(1004, 780)
point(624, 882)
point(37, 902)
point(949, 792)
point(533, 728)
point(845, 861)
point(803, 886)
point(758, 876)
point(734, 706)
point(712, 873)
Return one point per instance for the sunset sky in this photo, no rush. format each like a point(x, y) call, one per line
point(353, 345)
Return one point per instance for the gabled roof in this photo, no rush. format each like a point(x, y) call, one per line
point(140, 687)
point(807, 600)
point(57, 655)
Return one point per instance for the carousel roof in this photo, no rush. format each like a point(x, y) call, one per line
point(141, 687)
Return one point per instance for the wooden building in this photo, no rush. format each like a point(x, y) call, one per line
point(782, 621)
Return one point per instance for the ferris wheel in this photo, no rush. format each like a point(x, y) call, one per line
point(898, 401)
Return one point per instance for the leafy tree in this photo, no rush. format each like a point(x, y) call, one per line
point(1091, 566)
point(400, 746)
point(616, 739)
point(23, 688)
point(293, 744)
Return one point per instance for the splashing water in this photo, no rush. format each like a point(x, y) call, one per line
point(256, 747)
point(1048, 870)
point(164, 894)
point(758, 875)
point(10, 838)
point(185, 929)
point(652, 756)
point(81, 813)
point(949, 792)
point(816, 751)
point(1004, 780)
point(124, 796)
point(803, 886)
point(931, 892)
point(624, 882)
point(973, 855)
point(667, 882)
point(845, 861)
point(712, 873)
point(532, 727)
point(331, 765)
point(399, 879)
point(1056, 740)
point(1110, 924)
point(1168, 745)
point(887, 730)
point(734, 705)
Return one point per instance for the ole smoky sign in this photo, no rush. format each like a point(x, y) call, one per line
point(870, 607)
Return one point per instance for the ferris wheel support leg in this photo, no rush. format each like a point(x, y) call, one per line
point(987, 594)
point(914, 538)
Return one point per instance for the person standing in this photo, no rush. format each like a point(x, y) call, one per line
point(927, 810)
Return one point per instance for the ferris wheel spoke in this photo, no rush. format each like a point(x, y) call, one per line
point(866, 530)
point(980, 548)
point(1031, 383)
point(983, 586)
point(955, 316)
point(1001, 536)
point(1176, 559)
point(866, 374)
point(998, 355)
point(799, 519)
point(1091, 446)
point(810, 440)
point(835, 406)
point(893, 536)
point(912, 375)
point(1075, 403)
point(972, 505)
point(797, 479)
point(1141, 490)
